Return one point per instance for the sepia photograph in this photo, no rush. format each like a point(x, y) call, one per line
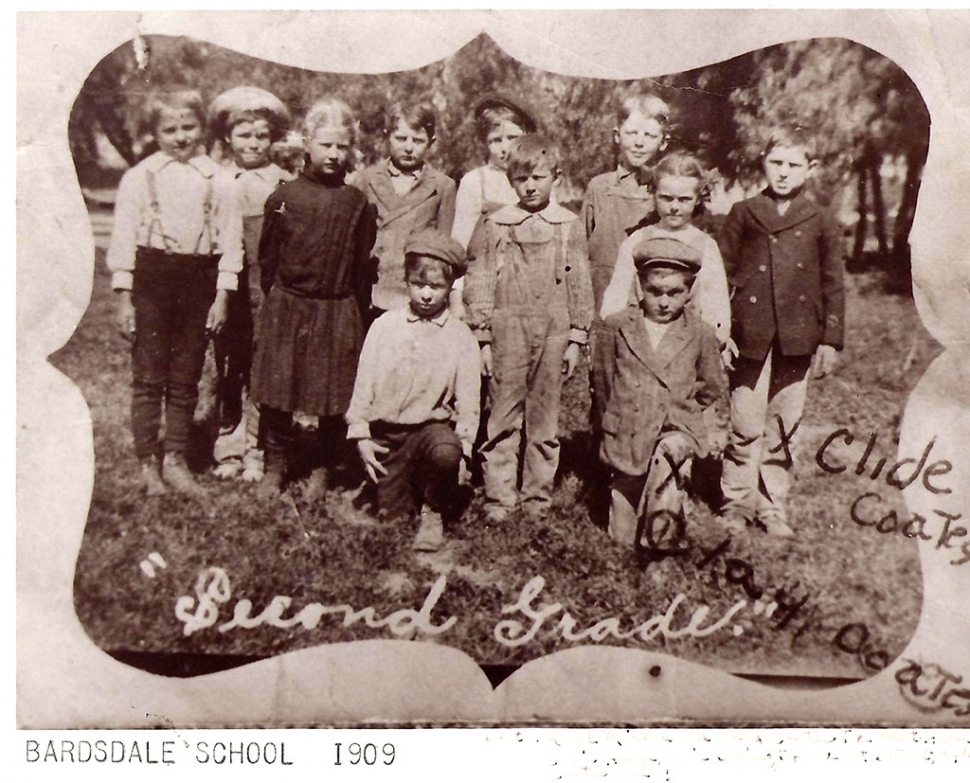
point(506, 375)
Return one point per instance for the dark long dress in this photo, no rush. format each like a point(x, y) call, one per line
point(317, 272)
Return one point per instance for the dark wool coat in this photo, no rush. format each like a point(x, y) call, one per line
point(785, 272)
point(653, 389)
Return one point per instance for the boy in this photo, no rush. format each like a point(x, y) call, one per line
point(409, 195)
point(414, 411)
point(783, 260)
point(530, 303)
point(660, 366)
point(173, 282)
point(248, 120)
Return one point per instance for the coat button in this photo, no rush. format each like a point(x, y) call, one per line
point(774, 239)
point(801, 298)
point(800, 265)
point(753, 299)
point(762, 268)
point(798, 233)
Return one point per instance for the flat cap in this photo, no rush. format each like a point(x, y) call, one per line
point(227, 106)
point(666, 253)
point(499, 100)
point(435, 244)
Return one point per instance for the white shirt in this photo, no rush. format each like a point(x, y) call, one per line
point(178, 223)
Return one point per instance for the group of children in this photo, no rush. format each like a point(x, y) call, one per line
point(378, 301)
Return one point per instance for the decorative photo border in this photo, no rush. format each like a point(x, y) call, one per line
point(64, 681)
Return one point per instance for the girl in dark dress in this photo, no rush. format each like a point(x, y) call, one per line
point(317, 273)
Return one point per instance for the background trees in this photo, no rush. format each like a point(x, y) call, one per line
point(871, 122)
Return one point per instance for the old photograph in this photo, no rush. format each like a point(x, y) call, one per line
point(504, 380)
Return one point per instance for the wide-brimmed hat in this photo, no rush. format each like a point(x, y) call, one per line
point(229, 105)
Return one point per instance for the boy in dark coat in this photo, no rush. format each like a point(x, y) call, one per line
point(660, 366)
point(783, 261)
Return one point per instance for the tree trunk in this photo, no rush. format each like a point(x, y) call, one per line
point(861, 226)
point(907, 209)
point(114, 131)
point(878, 207)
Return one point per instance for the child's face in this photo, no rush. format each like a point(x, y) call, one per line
point(329, 149)
point(408, 146)
point(665, 293)
point(428, 288)
point(676, 198)
point(249, 143)
point(499, 141)
point(178, 133)
point(786, 169)
point(534, 188)
point(640, 139)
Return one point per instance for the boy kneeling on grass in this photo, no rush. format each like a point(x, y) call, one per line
point(660, 367)
point(415, 407)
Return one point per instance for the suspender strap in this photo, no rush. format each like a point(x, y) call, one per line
point(155, 214)
point(156, 217)
point(206, 218)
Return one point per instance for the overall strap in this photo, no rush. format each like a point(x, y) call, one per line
point(562, 251)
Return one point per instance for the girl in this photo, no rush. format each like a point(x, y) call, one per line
point(618, 200)
point(314, 252)
point(483, 190)
point(171, 280)
point(248, 120)
point(679, 180)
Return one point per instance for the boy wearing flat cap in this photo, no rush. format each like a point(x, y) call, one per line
point(415, 407)
point(660, 367)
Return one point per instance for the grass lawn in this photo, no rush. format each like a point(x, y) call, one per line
point(323, 548)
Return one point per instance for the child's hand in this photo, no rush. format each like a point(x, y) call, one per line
point(570, 359)
point(125, 317)
point(217, 314)
point(487, 360)
point(824, 360)
point(368, 451)
point(728, 353)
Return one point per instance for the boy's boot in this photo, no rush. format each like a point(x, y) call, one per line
point(430, 535)
point(151, 477)
point(179, 476)
point(271, 484)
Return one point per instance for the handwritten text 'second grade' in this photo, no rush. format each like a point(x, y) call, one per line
point(526, 619)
